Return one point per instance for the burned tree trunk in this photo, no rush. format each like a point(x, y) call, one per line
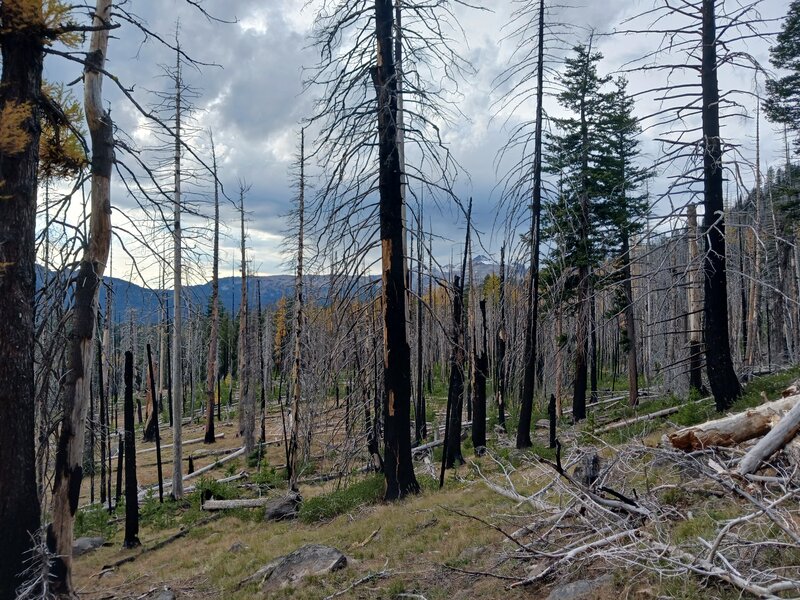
point(20, 90)
point(69, 452)
point(479, 389)
point(292, 462)
point(399, 469)
point(695, 306)
point(724, 384)
point(131, 491)
point(455, 392)
point(500, 350)
point(528, 381)
point(213, 339)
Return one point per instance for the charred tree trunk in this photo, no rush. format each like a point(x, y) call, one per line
point(528, 381)
point(421, 427)
point(131, 489)
point(292, 463)
point(69, 452)
point(176, 377)
point(724, 384)
point(20, 90)
point(157, 431)
point(246, 405)
point(695, 306)
point(213, 338)
point(500, 351)
point(399, 468)
point(455, 392)
point(630, 323)
point(479, 389)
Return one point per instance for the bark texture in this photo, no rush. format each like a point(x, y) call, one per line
point(19, 90)
point(399, 469)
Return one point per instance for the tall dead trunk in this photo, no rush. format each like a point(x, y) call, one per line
point(176, 378)
point(297, 358)
point(532, 297)
point(246, 412)
point(69, 452)
point(481, 362)
point(630, 323)
point(20, 92)
point(500, 346)
point(131, 492)
point(213, 338)
point(695, 305)
point(724, 384)
point(399, 469)
point(420, 410)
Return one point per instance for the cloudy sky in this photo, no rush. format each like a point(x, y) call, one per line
point(252, 97)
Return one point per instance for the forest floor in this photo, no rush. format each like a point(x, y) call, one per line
point(449, 544)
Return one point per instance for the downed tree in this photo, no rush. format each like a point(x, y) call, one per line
point(733, 429)
point(230, 504)
point(780, 435)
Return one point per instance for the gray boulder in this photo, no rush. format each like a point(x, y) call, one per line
point(307, 561)
point(86, 544)
point(283, 508)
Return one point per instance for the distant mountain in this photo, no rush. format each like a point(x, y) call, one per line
point(146, 303)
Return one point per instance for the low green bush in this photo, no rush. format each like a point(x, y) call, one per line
point(327, 506)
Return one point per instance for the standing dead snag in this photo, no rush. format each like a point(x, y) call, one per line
point(176, 377)
point(297, 359)
point(695, 305)
point(398, 466)
point(532, 297)
point(131, 500)
point(69, 452)
point(246, 403)
point(213, 338)
point(20, 90)
point(721, 375)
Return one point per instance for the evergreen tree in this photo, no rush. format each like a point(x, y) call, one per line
point(578, 154)
point(625, 209)
point(782, 104)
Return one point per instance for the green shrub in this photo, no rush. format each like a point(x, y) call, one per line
point(94, 521)
point(691, 413)
point(327, 506)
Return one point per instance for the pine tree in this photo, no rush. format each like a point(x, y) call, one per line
point(577, 154)
point(782, 104)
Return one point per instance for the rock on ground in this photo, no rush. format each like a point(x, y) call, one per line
point(283, 508)
point(86, 544)
point(312, 559)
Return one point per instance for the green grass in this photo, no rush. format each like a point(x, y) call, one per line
point(327, 506)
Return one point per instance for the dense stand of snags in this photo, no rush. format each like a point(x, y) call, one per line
point(591, 295)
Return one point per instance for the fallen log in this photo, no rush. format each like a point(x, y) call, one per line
point(219, 436)
point(733, 429)
point(648, 417)
point(197, 473)
point(230, 504)
point(780, 435)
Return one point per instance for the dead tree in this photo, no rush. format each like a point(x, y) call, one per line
point(292, 465)
point(712, 38)
point(69, 453)
point(364, 173)
point(131, 490)
point(246, 404)
point(213, 338)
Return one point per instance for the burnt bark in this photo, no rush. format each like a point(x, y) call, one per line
point(479, 389)
point(528, 381)
point(721, 375)
point(399, 469)
point(131, 490)
point(20, 88)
